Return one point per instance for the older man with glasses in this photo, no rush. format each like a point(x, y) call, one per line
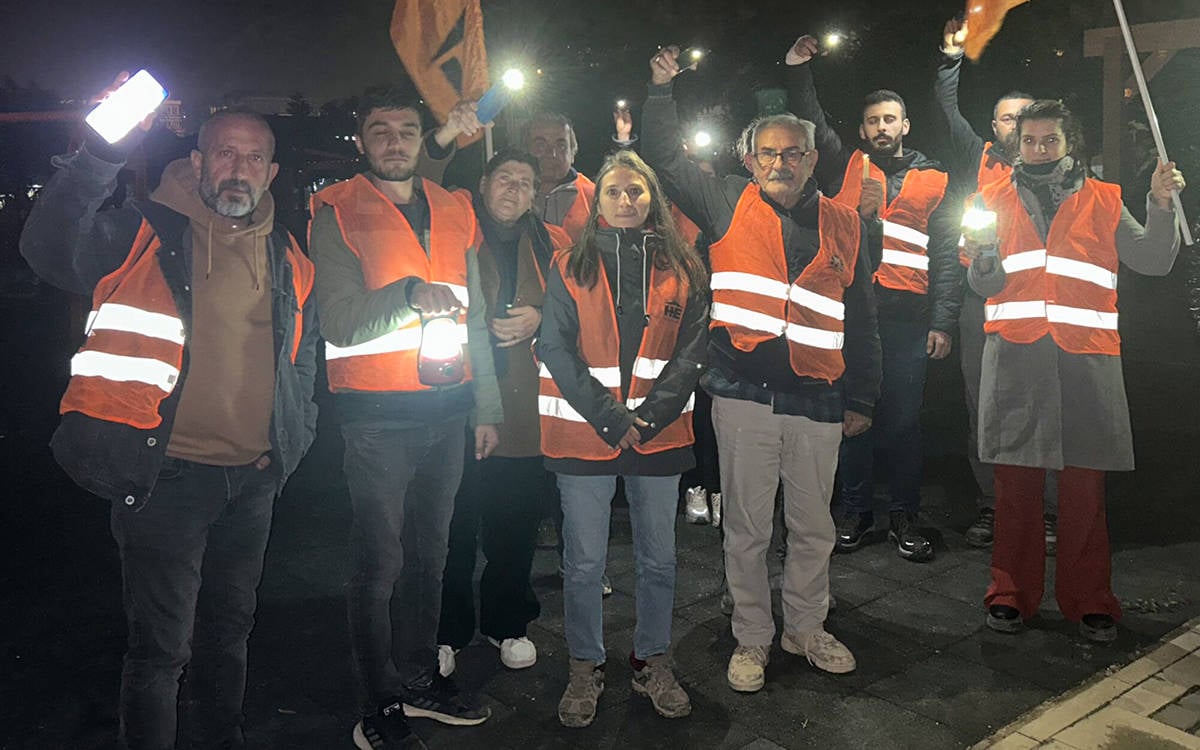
point(794, 363)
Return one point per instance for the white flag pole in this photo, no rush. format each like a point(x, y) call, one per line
point(1153, 118)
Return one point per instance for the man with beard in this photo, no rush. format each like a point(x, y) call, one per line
point(918, 280)
point(393, 251)
point(793, 363)
point(189, 404)
point(564, 197)
point(974, 165)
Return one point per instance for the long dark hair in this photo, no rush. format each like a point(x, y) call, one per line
point(671, 252)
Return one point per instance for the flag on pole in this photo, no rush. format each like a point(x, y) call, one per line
point(441, 45)
point(984, 19)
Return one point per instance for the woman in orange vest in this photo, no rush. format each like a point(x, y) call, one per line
point(624, 331)
point(1052, 395)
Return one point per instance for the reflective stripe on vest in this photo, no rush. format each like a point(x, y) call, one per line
point(115, 317)
point(565, 432)
point(375, 230)
point(1066, 285)
point(124, 369)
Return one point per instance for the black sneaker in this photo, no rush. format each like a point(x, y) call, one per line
point(1004, 619)
point(910, 543)
point(386, 730)
point(853, 531)
point(437, 697)
point(1050, 525)
point(981, 533)
point(1098, 628)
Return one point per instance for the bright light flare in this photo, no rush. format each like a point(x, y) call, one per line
point(514, 80)
point(622, 104)
point(833, 40)
point(440, 339)
point(978, 219)
point(702, 139)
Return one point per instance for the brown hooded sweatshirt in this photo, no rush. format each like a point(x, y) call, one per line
point(225, 408)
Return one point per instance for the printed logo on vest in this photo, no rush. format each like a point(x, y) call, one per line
point(673, 310)
point(836, 263)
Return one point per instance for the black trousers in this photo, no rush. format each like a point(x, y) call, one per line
point(504, 496)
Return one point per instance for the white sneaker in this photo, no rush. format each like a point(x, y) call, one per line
point(746, 667)
point(446, 663)
point(696, 505)
point(715, 499)
point(516, 653)
point(822, 650)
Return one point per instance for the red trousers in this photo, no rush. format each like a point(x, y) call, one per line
point(1083, 570)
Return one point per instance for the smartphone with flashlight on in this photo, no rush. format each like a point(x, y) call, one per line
point(691, 58)
point(979, 226)
point(122, 110)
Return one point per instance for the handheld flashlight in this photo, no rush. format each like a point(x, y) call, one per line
point(123, 109)
point(979, 225)
point(498, 96)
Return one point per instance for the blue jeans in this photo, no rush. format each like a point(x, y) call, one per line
point(587, 507)
point(191, 560)
point(895, 433)
point(402, 482)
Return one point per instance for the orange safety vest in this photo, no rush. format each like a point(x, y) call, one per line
point(687, 227)
point(1066, 286)
point(755, 301)
point(565, 432)
point(375, 231)
point(904, 264)
point(581, 209)
point(132, 357)
point(991, 169)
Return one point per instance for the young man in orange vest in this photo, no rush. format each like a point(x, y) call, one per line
point(918, 280)
point(564, 197)
point(976, 163)
point(189, 404)
point(793, 364)
point(394, 252)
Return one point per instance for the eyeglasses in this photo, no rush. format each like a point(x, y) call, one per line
point(791, 157)
point(1007, 119)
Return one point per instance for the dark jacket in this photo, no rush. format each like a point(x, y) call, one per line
point(964, 146)
point(940, 307)
point(558, 349)
point(72, 247)
point(765, 375)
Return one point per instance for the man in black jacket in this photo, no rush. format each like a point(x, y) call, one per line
point(190, 402)
point(771, 420)
point(975, 163)
point(919, 284)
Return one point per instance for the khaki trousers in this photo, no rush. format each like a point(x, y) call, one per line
point(757, 450)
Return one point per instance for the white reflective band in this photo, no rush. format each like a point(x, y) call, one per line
point(114, 317)
point(1015, 310)
point(1077, 269)
point(737, 281)
point(817, 303)
point(815, 337)
point(402, 340)
point(464, 298)
point(1024, 261)
point(634, 403)
point(901, 258)
point(1078, 316)
point(609, 377)
point(648, 369)
point(905, 234)
point(748, 318)
point(125, 369)
point(553, 406)
point(962, 241)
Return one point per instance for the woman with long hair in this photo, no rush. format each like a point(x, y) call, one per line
point(622, 345)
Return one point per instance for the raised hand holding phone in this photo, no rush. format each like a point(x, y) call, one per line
point(130, 102)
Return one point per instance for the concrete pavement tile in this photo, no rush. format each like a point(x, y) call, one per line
point(1014, 741)
point(1189, 640)
point(854, 587)
point(966, 582)
point(975, 701)
point(1115, 728)
point(1150, 664)
point(635, 724)
point(1149, 696)
point(881, 560)
point(761, 744)
point(923, 616)
point(698, 649)
point(1177, 716)
point(693, 583)
point(879, 654)
point(1056, 716)
point(1047, 658)
point(1186, 671)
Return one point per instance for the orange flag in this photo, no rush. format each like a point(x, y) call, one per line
point(440, 43)
point(984, 19)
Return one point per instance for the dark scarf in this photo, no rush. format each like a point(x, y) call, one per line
point(505, 242)
point(1044, 187)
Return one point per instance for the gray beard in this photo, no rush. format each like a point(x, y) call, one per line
point(232, 209)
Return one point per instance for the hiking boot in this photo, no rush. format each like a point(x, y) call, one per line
point(656, 681)
point(1050, 524)
point(1098, 628)
point(822, 650)
point(696, 505)
point(386, 730)
point(547, 534)
point(437, 697)
point(983, 530)
point(910, 543)
point(516, 653)
point(746, 668)
point(853, 530)
point(446, 661)
point(1004, 619)
point(577, 708)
